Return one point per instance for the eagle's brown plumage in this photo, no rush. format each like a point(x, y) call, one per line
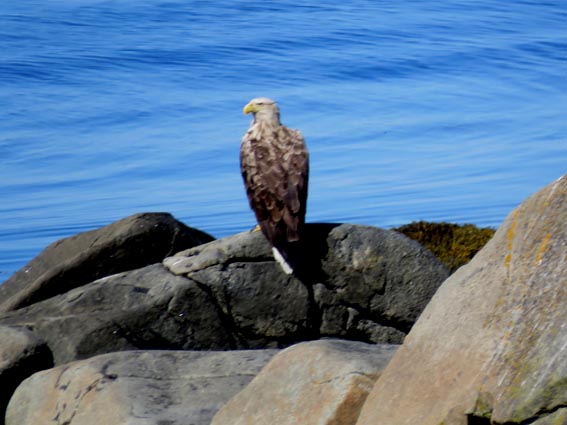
point(275, 167)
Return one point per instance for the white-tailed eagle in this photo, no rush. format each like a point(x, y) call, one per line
point(275, 167)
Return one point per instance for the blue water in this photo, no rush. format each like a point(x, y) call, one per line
point(413, 110)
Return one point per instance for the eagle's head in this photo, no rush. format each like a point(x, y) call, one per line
point(264, 110)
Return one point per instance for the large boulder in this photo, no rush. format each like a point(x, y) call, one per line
point(490, 348)
point(127, 244)
point(312, 383)
point(360, 282)
point(367, 284)
point(147, 308)
point(136, 387)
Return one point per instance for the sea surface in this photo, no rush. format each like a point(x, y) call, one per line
point(412, 110)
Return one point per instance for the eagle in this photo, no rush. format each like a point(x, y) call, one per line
point(275, 167)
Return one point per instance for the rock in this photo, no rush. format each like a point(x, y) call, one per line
point(135, 387)
point(21, 355)
point(558, 417)
point(363, 283)
point(148, 308)
point(260, 305)
point(127, 244)
point(370, 285)
point(386, 277)
point(313, 383)
point(490, 346)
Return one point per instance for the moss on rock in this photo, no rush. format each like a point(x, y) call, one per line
point(454, 244)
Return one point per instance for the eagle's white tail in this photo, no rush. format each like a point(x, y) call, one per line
point(284, 265)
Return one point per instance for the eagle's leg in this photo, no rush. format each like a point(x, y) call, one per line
point(256, 229)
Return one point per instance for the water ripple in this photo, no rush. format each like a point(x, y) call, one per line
point(412, 110)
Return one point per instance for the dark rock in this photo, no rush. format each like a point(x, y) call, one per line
point(260, 305)
point(136, 387)
point(128, 244)
point(384, 276)
point(361, 283)
point(21, 354)
point(148, 308)
point(230, 294)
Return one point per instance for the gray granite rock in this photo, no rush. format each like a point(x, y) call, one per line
point(312, 383)
point(136, 387)
point(359, 282)
point(491, 346)
point(148, 308)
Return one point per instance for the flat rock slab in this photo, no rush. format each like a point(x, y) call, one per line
point(136, 387)
point(490, 347)
point(313, 383)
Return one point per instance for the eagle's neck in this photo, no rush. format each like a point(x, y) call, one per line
point(260, 129)
point(267, 118)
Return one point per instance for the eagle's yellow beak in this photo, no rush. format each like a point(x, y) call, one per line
point(251, 107)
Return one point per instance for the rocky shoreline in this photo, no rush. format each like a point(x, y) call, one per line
point(148, 321)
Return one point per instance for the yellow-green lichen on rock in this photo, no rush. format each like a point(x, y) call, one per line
point(454, 244)
point(492, 344)
point(529, 373)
